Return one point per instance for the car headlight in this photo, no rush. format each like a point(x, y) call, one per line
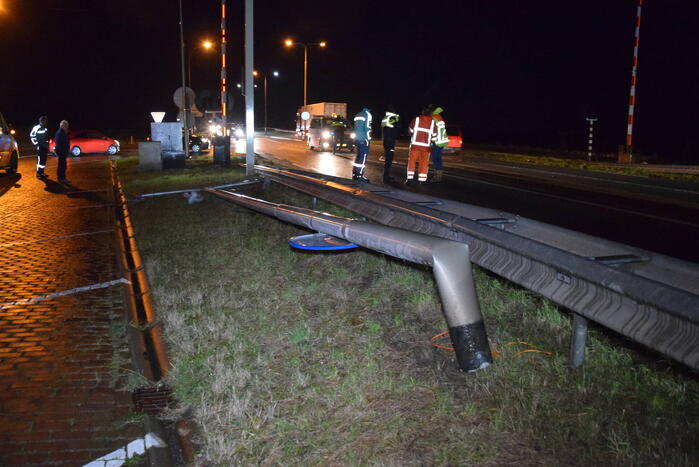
point(353, 135)
point(326, 134)
point(205, 140)
point(326, 145)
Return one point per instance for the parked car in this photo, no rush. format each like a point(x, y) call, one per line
point(455, 138)
point(9, 152)
point(198, 143)
point(89, 141)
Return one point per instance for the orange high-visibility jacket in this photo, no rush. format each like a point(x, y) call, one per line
point(423, 129)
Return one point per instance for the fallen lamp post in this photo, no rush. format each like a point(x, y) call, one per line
point(450, 262)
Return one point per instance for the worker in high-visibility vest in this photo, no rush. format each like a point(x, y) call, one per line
point(40, 139)
point(362, 132)
point(422, 129)
point(438, 144)
point(389, 128)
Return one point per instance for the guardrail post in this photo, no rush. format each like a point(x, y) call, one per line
point(266, 182)
point(578, 341)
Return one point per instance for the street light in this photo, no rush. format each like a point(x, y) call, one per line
point(256, 73)
point(291, 43)
point(206, 45)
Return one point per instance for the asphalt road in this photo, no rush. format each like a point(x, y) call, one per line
point(657, 215)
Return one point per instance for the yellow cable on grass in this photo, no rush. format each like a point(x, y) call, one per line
point(495, 353)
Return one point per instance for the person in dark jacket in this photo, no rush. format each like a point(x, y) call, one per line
point(362, 131)
point(390, 132)
point(62, 149)
point(40, 139)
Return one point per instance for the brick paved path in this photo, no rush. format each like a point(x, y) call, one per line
point(58, 402)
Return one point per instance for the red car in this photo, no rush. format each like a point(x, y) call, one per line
point(86, 141)
point(455, 138)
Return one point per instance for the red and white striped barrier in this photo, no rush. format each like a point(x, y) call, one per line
point(632, 98)
point(223, 68)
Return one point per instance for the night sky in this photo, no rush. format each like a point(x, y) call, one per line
point(509, 72)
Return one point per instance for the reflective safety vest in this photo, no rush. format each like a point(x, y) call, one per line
point(423, 130)
point(39, 135)
point(441, 138)
point(390, 120)
point(362, 126)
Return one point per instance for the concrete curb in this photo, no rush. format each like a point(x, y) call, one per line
point(149, 354)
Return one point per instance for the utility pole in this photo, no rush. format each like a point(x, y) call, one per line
point(590, 137)
point(249, 92)
point(632, 92)
point(185, 104)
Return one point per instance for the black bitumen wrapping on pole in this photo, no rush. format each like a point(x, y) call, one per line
point(471, 346)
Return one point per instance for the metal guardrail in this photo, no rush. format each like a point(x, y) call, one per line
point(149, 354)
point(650, 298)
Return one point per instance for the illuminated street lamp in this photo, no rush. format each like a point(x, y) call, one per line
point(256, 73)
point(206, 45)
point(291, 43)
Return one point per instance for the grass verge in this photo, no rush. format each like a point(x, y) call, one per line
point(287, 357)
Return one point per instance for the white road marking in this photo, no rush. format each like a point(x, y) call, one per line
point(134, 448)
point(85, 288)
point(61, 237)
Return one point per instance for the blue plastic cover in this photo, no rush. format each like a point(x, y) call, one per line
point(320, 242)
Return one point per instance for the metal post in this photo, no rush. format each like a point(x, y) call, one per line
point(249, 92)
point(189, 68)
point(265, 103)
point(632, 92)
point(590, 137)
point(578, 341)
point(224, 113)
point(185, 129)
point(305, 73)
